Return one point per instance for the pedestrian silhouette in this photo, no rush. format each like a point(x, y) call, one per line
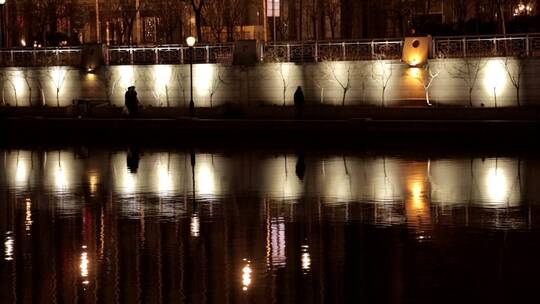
point(300, 166)
point(299, 102)
point(132, 102)
point(132, 159)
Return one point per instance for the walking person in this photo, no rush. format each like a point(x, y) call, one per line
point(299, 102)
point(132, 102)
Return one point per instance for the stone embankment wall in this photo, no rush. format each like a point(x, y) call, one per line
point(490, 81)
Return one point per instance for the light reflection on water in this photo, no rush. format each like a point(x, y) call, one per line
point(159, 225)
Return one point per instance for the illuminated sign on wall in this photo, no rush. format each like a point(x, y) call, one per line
point(272, 8)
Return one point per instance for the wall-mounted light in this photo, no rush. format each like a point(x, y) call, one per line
point(416, 51)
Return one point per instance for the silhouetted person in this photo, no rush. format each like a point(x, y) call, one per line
point(132, 159)
point(132, 102)
point(299, 102)
point(301, 167)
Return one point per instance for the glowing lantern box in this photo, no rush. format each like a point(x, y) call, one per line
point(416, 51)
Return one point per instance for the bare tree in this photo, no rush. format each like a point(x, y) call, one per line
point(333, 11)
point(126, 12)
point(162, 80)
point(278, 56)
point(57, 76)
point(11, 82)
point(341, 73)
point(515, 69)
point(170, 14)
point(215, 83)
point(235, 12)
point(314, 11)
point(109, 80)
point(468, 70)
point(381, 72)
point(198, 8)
point(27, 76)
point(213, 13)
point(426, 76)
point(3, 81)
point(461, 10)
point(45, 17)
point(181, 77)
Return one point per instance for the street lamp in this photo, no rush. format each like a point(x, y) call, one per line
point(190, 42)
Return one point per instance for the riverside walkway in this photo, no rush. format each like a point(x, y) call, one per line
point(351, 125)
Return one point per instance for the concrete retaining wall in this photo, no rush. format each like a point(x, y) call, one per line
point(168, 85)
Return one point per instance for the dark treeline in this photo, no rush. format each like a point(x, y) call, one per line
point(125, 22)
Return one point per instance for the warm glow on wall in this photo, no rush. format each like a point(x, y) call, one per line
point(415, 73)
point(416, 51)
point(162, 78)
point(495, 80)
point(203, 78)
point(127, 76)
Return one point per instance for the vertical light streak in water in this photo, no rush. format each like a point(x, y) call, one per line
point(93, 181)
point(205, 177)
point(21, 175)
point(496, 185)
point(417, 207)
point(306, 258)
point(337, 182)
point(84, 266)
point(246, 275)
point(164, 179)
point(28, 216)
point(277, 235)
point(129, 182)
point(60, 174)
point(195, 225)
point(9, 247)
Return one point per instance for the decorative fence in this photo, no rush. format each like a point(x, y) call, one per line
point(170, 54)
point(487, 46)
point(306, 51)
point(24, 57)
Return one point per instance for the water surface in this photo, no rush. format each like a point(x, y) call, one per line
point(145, 225)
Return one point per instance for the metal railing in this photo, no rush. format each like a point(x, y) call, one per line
point(314, 51)
point(305, 51)
point(170, 54)
point(487, 46)
point(23, 57)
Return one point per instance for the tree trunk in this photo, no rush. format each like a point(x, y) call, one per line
point(198, 19)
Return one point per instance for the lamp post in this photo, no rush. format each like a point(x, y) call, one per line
point(2, 24)
point(190, 42)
